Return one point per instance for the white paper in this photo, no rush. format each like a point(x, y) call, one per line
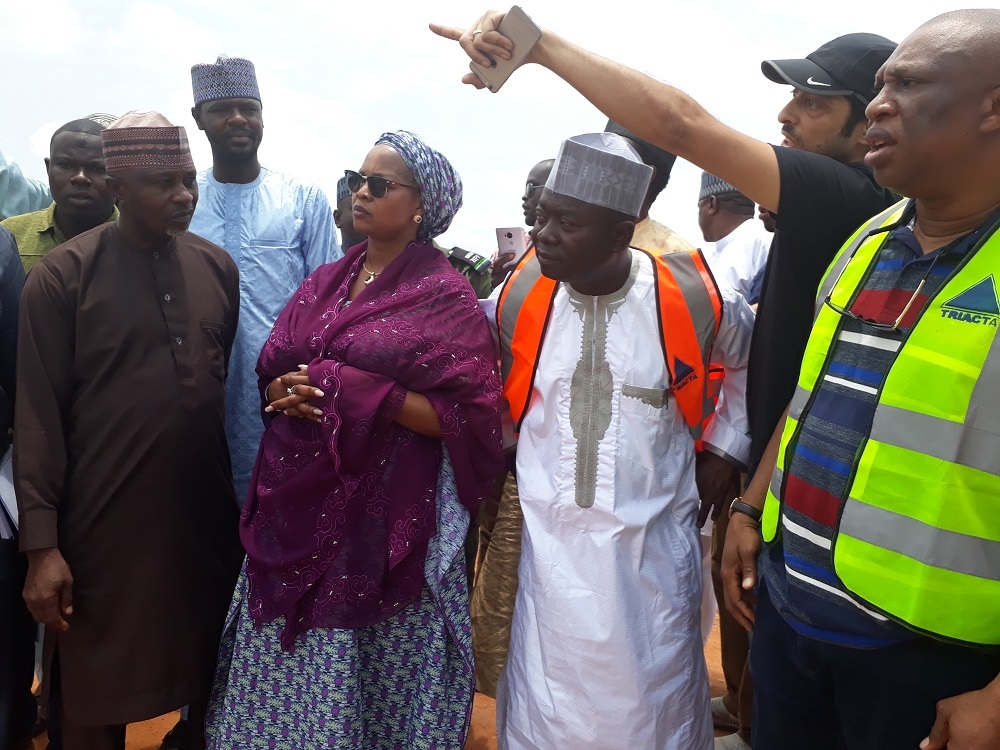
point(7, 496)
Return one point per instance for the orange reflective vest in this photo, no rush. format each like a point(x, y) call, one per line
point(690, 308)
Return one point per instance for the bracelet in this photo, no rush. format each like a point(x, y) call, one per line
point(738, 506)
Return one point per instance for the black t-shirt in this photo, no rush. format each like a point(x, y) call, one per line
point(822, 202)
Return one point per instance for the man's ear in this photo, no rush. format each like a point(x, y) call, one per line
point(196, 114)
point(46, 160)
point(991, 111)
point(621, 234)
point(336, 217)
point(117, 188)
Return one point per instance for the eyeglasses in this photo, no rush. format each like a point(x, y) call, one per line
point(377, 186)
point(530, 187)
point(874, 323)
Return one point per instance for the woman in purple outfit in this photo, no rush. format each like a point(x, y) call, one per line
point(350, 625)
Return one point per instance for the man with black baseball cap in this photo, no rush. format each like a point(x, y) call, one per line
point(816, 186)
point(841, 67)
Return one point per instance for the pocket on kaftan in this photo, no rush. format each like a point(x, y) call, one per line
point(644, 414)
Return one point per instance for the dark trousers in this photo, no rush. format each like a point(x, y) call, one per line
point(18, 709)
point(811, 694)
point(734, 641)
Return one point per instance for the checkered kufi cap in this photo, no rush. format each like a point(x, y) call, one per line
point(603, 170)
point(712, 185)
point(145, 140)
point(226, 78)
point(342, 189)
point(101, 118)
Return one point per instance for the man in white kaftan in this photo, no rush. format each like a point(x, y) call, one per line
point(606, 649)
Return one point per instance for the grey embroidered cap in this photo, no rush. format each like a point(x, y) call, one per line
point(712, 185)
point(603, 170)
point(226, 78)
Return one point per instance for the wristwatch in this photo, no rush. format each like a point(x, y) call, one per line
point(738, 506)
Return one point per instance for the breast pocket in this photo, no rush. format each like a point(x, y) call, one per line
point(213, 344)
point(644, 417)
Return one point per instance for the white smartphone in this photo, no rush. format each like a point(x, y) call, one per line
point(521, 30)
point(511, 240)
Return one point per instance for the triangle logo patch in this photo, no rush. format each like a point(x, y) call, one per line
point(683, 374)
point(978, 298)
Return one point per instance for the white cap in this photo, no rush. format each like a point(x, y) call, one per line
point(601, 169)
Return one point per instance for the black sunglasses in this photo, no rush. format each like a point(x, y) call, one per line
point(377, 186)
point(530, 187)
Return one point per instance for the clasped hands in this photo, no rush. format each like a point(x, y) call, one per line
point(290, 394)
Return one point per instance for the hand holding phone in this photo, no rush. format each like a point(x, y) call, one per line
point(524, 33)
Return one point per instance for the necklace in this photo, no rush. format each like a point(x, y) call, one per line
point(371, 274)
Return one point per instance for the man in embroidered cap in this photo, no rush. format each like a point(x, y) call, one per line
point(740, 244)
point(606, 648)
point(126, 504)
point(737, 253)
point(276, 227)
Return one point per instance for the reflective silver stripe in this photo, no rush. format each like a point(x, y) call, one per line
point(984, 404)
point(948, 550)
point(799, 400)
point(833, 274)
point(775, 486)
point(696, 296)
point(977, 447)
point(507, 313)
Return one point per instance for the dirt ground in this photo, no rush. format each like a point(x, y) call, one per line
point(482, 736)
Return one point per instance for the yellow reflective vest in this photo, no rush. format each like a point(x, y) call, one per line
point(918, 535)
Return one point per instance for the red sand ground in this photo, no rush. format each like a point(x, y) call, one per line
point(482, 736)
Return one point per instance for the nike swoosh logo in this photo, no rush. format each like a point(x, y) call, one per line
point(811, 82)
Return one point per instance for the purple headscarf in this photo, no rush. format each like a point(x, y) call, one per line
point(439, 183)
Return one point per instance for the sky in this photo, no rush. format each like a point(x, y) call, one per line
point(335, 75)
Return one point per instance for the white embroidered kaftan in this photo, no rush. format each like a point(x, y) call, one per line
point(606, 649)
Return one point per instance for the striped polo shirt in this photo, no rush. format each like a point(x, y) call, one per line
point(798, 570)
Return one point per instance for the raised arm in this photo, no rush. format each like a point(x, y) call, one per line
point(652, 110)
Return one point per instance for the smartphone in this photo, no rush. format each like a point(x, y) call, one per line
point(521, 30)
point(511, 240)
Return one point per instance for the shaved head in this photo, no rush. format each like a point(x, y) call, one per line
point(79, 126)
point(934, 129)
point(974, 32)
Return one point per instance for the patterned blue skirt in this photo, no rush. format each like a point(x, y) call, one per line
point(406, 683)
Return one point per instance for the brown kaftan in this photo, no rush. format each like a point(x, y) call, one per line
point(121, 462)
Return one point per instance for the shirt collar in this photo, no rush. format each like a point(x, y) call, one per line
point(50, 220)
point(903, 234)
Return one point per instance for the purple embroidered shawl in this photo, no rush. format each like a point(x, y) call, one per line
point(339, 513)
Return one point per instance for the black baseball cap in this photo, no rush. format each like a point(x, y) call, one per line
point(845, 66)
